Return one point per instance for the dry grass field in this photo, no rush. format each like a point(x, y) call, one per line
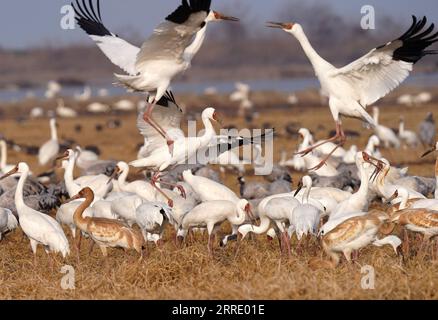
point(258, 271)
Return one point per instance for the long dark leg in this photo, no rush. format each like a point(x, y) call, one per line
point(173, 185)
point(336, 137)
point(154, 181)
point(147, 117)
point(340, 135)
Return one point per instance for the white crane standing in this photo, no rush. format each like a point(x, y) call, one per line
point(49, 150)
point(354, 87)
point(165, 54)
point(38, 227)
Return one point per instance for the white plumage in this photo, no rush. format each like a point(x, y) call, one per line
point(8, 222)
point(38, 227)
point(50, 149)
point(361, 83)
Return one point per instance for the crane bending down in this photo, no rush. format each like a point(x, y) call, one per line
point(361, 83)
point(165, 54)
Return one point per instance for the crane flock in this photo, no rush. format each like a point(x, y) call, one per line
point(333, 203)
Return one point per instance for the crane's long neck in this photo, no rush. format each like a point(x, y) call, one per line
point(401, 127)
point(307, 140)
point(194, 47)
point(362, 193)
point(19, 200)
point(122, 178)
point(404, 202)
point(239, 219)
point(72, 187)
point(376, 116)
point(317, 61)
point(78, 219)
point(4, 155)
point(209, 131)
point(265, 222)
point(381, 183)
point(283, 158)
point(53, 132)
point(306, 194)
point(370, 147)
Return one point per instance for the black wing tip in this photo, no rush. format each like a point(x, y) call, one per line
point(167, 98)
point(88, 19)
point(183, 12)
point(415, 40)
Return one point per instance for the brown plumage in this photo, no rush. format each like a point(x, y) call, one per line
point(353, 234)
point(105, 232)
point(418, 220)
point(396, 207)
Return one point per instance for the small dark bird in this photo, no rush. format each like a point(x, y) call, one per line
point(78, 128)
point(99, 127)
point(427, 131)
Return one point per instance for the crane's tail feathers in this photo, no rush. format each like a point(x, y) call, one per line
point(131, 83)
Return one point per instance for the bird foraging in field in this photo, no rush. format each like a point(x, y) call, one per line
point(356, 233)
point(354, 87)
point(165, 54)
point(212, 214)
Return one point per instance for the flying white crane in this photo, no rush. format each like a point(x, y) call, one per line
point(49, 150)
point(165, 54)
point(155, 155)
point(354, 87)
point(38, 227)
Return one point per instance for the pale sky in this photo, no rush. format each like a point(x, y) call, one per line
point(27, 23)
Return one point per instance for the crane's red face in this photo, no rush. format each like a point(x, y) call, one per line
point(280, 25)
point(220, 16)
